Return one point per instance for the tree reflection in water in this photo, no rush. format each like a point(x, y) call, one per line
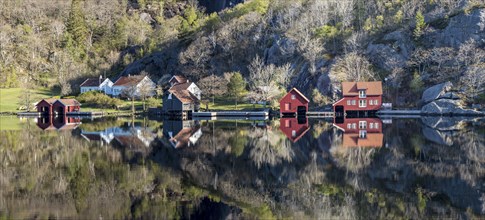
point(129, 168)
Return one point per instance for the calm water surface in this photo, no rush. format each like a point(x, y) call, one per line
point(114, 168)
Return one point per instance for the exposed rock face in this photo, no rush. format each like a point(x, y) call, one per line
point(460, 29)
point(216, 6)
point(439, 137)
point(435, 92)
point(392, 52)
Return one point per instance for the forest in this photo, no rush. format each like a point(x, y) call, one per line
point(273, 45)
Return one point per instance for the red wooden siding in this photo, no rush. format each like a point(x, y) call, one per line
point(291, 101)
point(292, 129)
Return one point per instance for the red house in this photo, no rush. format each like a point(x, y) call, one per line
point(294, 103)
point(294, 128)
point(359, 97)
point(361, 132)
point(45, 106)
point(63, 106)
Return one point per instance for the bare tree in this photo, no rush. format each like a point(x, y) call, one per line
point(474, 80)
point(352, 67)
point(130, 92)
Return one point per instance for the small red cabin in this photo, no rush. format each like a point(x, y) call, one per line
point(361, 132)
point(45, 106)
point(294, 103)
point(359, 97)
point(63, 106)
point(294, 128)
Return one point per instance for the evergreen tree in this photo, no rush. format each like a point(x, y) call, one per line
point(420, 25)
point(237, 86)
point(77, 30)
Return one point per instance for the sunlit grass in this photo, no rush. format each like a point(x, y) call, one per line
point(10, 98)
point(227, 103)
point(11, 123)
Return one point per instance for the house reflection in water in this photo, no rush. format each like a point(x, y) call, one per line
point(58, 123)
point(130, 136)
point(361, 132)
point(182, 133)
point(294, 128)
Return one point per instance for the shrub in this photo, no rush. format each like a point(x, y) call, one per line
point(98, 99)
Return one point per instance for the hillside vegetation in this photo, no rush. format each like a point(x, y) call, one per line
point(275, 44)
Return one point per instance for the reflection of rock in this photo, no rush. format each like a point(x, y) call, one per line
point(444, 124)
point(436, 91)
point(439, 137)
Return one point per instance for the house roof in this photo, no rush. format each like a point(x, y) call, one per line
point(352, 88)
point(299, 93)
point(128, 80)
point(180, 86)
point(179, 78)
point(69, 102)
point(371, 140)
point(184, 96)
point(92, 82)
point(50, 101)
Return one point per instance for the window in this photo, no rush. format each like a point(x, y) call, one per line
point(362, 125)
point(377, 125)
point(287, 123)
point(362, 134)
point(293, 96)
point(353, 102)
point(371, 125)
point(287, 106)
point(371, 102)
point(376, 102)
point(349, 126)
point(348, 102)
point(293, 133)
point(362, 103)
point(362, 94)
point(353, 126)
point(170, 96)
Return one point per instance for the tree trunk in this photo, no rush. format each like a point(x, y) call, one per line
point(133, 105)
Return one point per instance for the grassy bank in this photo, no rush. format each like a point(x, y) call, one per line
point(10, 99)
point(228, 104)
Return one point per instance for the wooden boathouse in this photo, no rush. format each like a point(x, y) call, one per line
point(359, 99)
point(294, 103)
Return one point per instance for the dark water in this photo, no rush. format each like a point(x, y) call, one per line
point(114, 168)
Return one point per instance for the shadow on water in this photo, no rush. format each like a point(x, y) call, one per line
point(290, 167)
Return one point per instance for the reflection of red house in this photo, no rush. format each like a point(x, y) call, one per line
point(58, 123)
point(361, 132)
point(294, 128)
point(294, 103)
point(359, 96)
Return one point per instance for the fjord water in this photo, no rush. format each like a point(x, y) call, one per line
point(284, 168)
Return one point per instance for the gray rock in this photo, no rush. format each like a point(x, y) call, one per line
point(445, 123)
point(436, 91)
point(281, 49)
point(447, 107)
point(391, 52)
point(147, 18)
point(449, 95)
point(460, 29)
point(442, 138)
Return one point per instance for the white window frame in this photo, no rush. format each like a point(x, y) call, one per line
point(293, 96)
point(293, 133)
point(371, 125)
point(349, 126)
point(376, 125)
point(363, 134)
point(362, 124)
point(362, 103)
point(376, 102)
point(362, 93)
point(353, 102)
point(348, 102)
point(354, 126)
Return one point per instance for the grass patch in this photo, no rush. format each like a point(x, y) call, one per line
point(226, 103)
point(10, 98)
point(11, 123)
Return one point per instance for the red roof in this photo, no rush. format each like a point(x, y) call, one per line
point(49, 101)
point(352, 88)
point(184, 96)
point(92, 82)
point(69, 102)
point(128, 80)
point(179, 79)
point(299, 93)
point(371, 140)
point(180, 86)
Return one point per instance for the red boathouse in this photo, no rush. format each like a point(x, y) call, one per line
point(45, 106)
point(294, 128)
point(365, 97)
point(294, 103)
point(63, 106)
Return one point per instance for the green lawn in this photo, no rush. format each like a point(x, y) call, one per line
point(10, 98)
point(225, 103)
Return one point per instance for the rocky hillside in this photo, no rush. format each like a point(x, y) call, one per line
point(309, 44)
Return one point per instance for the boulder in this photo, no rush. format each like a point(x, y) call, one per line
point(447, 107)
point(441, 138)
point(392, 51)
point(435, 92)
point(445, 123)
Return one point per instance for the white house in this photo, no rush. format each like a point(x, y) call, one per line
point(137, 83)
point(93, 84)
point(189, 86)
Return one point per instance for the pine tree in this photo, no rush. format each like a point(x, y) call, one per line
point(76, 27)
point(237, 86)
point(420, 25)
